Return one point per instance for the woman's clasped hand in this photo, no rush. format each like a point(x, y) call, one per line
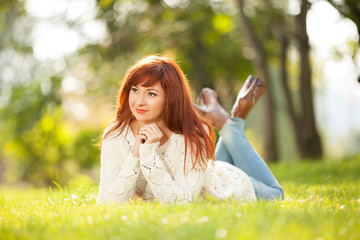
point(146, 135)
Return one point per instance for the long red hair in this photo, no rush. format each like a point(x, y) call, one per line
point(180, 115)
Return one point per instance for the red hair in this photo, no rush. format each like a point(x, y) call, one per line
point(180, 115)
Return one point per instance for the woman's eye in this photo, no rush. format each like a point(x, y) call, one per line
point(152, 94)
point(134, 89)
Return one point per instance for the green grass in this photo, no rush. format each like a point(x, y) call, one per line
point(322, 202)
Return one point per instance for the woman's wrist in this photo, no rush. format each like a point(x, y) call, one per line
point(148, 149)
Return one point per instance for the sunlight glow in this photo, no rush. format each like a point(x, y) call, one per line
point(52, 38)
point(53, 41)
point(337, 98)
point(336, 89)
point(330, 33)
point(327, 29)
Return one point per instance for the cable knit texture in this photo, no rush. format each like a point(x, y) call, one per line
point(159, 173)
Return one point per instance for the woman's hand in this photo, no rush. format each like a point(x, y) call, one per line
point(152, 133)
point(139, 139)
point(146, 135)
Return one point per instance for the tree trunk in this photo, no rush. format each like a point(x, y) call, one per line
point(311, 141)
point(201, 76)
point(271, 150)
point(289, 107)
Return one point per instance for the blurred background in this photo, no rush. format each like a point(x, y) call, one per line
point(61, 62)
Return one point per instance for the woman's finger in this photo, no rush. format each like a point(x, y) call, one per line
point(146, 131)
point(150, 136)
point(152, 132)
point(156, 130)
point(141, 137)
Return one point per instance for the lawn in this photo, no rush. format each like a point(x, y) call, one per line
point(322, 202)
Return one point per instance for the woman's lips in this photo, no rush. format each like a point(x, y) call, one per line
point(141, 111)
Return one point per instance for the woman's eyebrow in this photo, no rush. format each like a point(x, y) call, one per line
point(152, 89)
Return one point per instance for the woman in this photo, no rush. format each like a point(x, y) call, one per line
point(159, 147)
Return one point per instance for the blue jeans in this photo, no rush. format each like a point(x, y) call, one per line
point(234, 147)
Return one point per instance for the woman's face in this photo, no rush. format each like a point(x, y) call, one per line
point(147, 104)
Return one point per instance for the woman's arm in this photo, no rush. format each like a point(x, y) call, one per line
point(182, 187)
point(118, 176)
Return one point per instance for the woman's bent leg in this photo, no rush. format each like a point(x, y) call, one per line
point(221, 152)
point(244, 156)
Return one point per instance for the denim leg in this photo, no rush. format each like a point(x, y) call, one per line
point(244, 156)
point(221, 152)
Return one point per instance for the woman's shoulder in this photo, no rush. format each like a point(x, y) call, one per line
point(112, 132)
point(177, 139)
point(175, 143)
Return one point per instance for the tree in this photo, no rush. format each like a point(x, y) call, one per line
point(202, 41)
point(309, 142)
point(351, 10)
point(306, 135)
point(263, 68)
point(38, 142)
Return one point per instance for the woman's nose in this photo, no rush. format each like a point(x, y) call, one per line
point(141, 99)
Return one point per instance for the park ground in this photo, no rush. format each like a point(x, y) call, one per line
point(322, 202)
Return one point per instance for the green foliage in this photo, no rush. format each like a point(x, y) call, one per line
point(314, 208)
point(39, 145)
point(11, 16)
point(86, 148)
point(203, 38)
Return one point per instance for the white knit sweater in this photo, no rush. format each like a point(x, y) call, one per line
point(159, 173)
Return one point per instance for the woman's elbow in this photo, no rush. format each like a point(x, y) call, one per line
point(103, 198)
point(107, 198)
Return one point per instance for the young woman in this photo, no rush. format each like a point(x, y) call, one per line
point(160, 148)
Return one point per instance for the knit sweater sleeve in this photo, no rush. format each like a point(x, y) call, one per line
point(171, 185)
point(118, 173)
